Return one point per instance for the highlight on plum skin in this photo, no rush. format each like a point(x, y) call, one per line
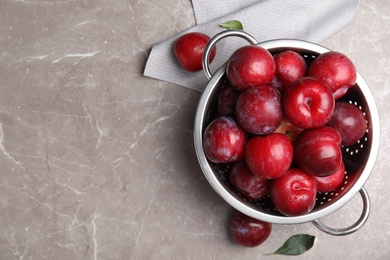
point(349, 121)
point(248, 231)
point(259, 110)
point(224, 140)
point(250, 185)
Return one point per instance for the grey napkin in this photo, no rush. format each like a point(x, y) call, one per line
point(265, 20)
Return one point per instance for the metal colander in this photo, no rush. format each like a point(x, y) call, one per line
point(359, 159)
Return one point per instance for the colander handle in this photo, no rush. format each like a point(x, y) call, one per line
point(353, 228)
point(217, 38)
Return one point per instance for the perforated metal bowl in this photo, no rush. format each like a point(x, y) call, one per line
point(359, 158)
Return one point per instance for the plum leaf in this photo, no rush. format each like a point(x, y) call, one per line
point(232, 24)
point(296, 245)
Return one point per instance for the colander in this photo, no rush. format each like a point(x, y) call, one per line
point(359, 158)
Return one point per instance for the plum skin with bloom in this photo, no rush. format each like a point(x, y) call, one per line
point(308, 103)
point(349, 121)
point(294, 194)
point(331, 182)
point(224, 140)
point(335, 70)
point(259, 110)
point(227, 100)
point(290, 66)
point(317, 151)
point(248, 231)
point(269, 156)
point(250, 66)
point(189, 49)
point(250, 185)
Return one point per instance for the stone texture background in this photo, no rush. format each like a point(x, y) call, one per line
point(97, 161)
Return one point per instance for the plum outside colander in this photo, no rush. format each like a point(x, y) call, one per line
point(359, 159)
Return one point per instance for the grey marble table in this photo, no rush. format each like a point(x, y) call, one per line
point(97, 161)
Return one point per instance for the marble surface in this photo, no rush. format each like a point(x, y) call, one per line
point(97, 161)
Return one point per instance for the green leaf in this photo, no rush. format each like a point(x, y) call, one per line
point(296, 245)
point(232, 24)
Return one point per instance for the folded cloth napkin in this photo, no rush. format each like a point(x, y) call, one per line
point(265, 20)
